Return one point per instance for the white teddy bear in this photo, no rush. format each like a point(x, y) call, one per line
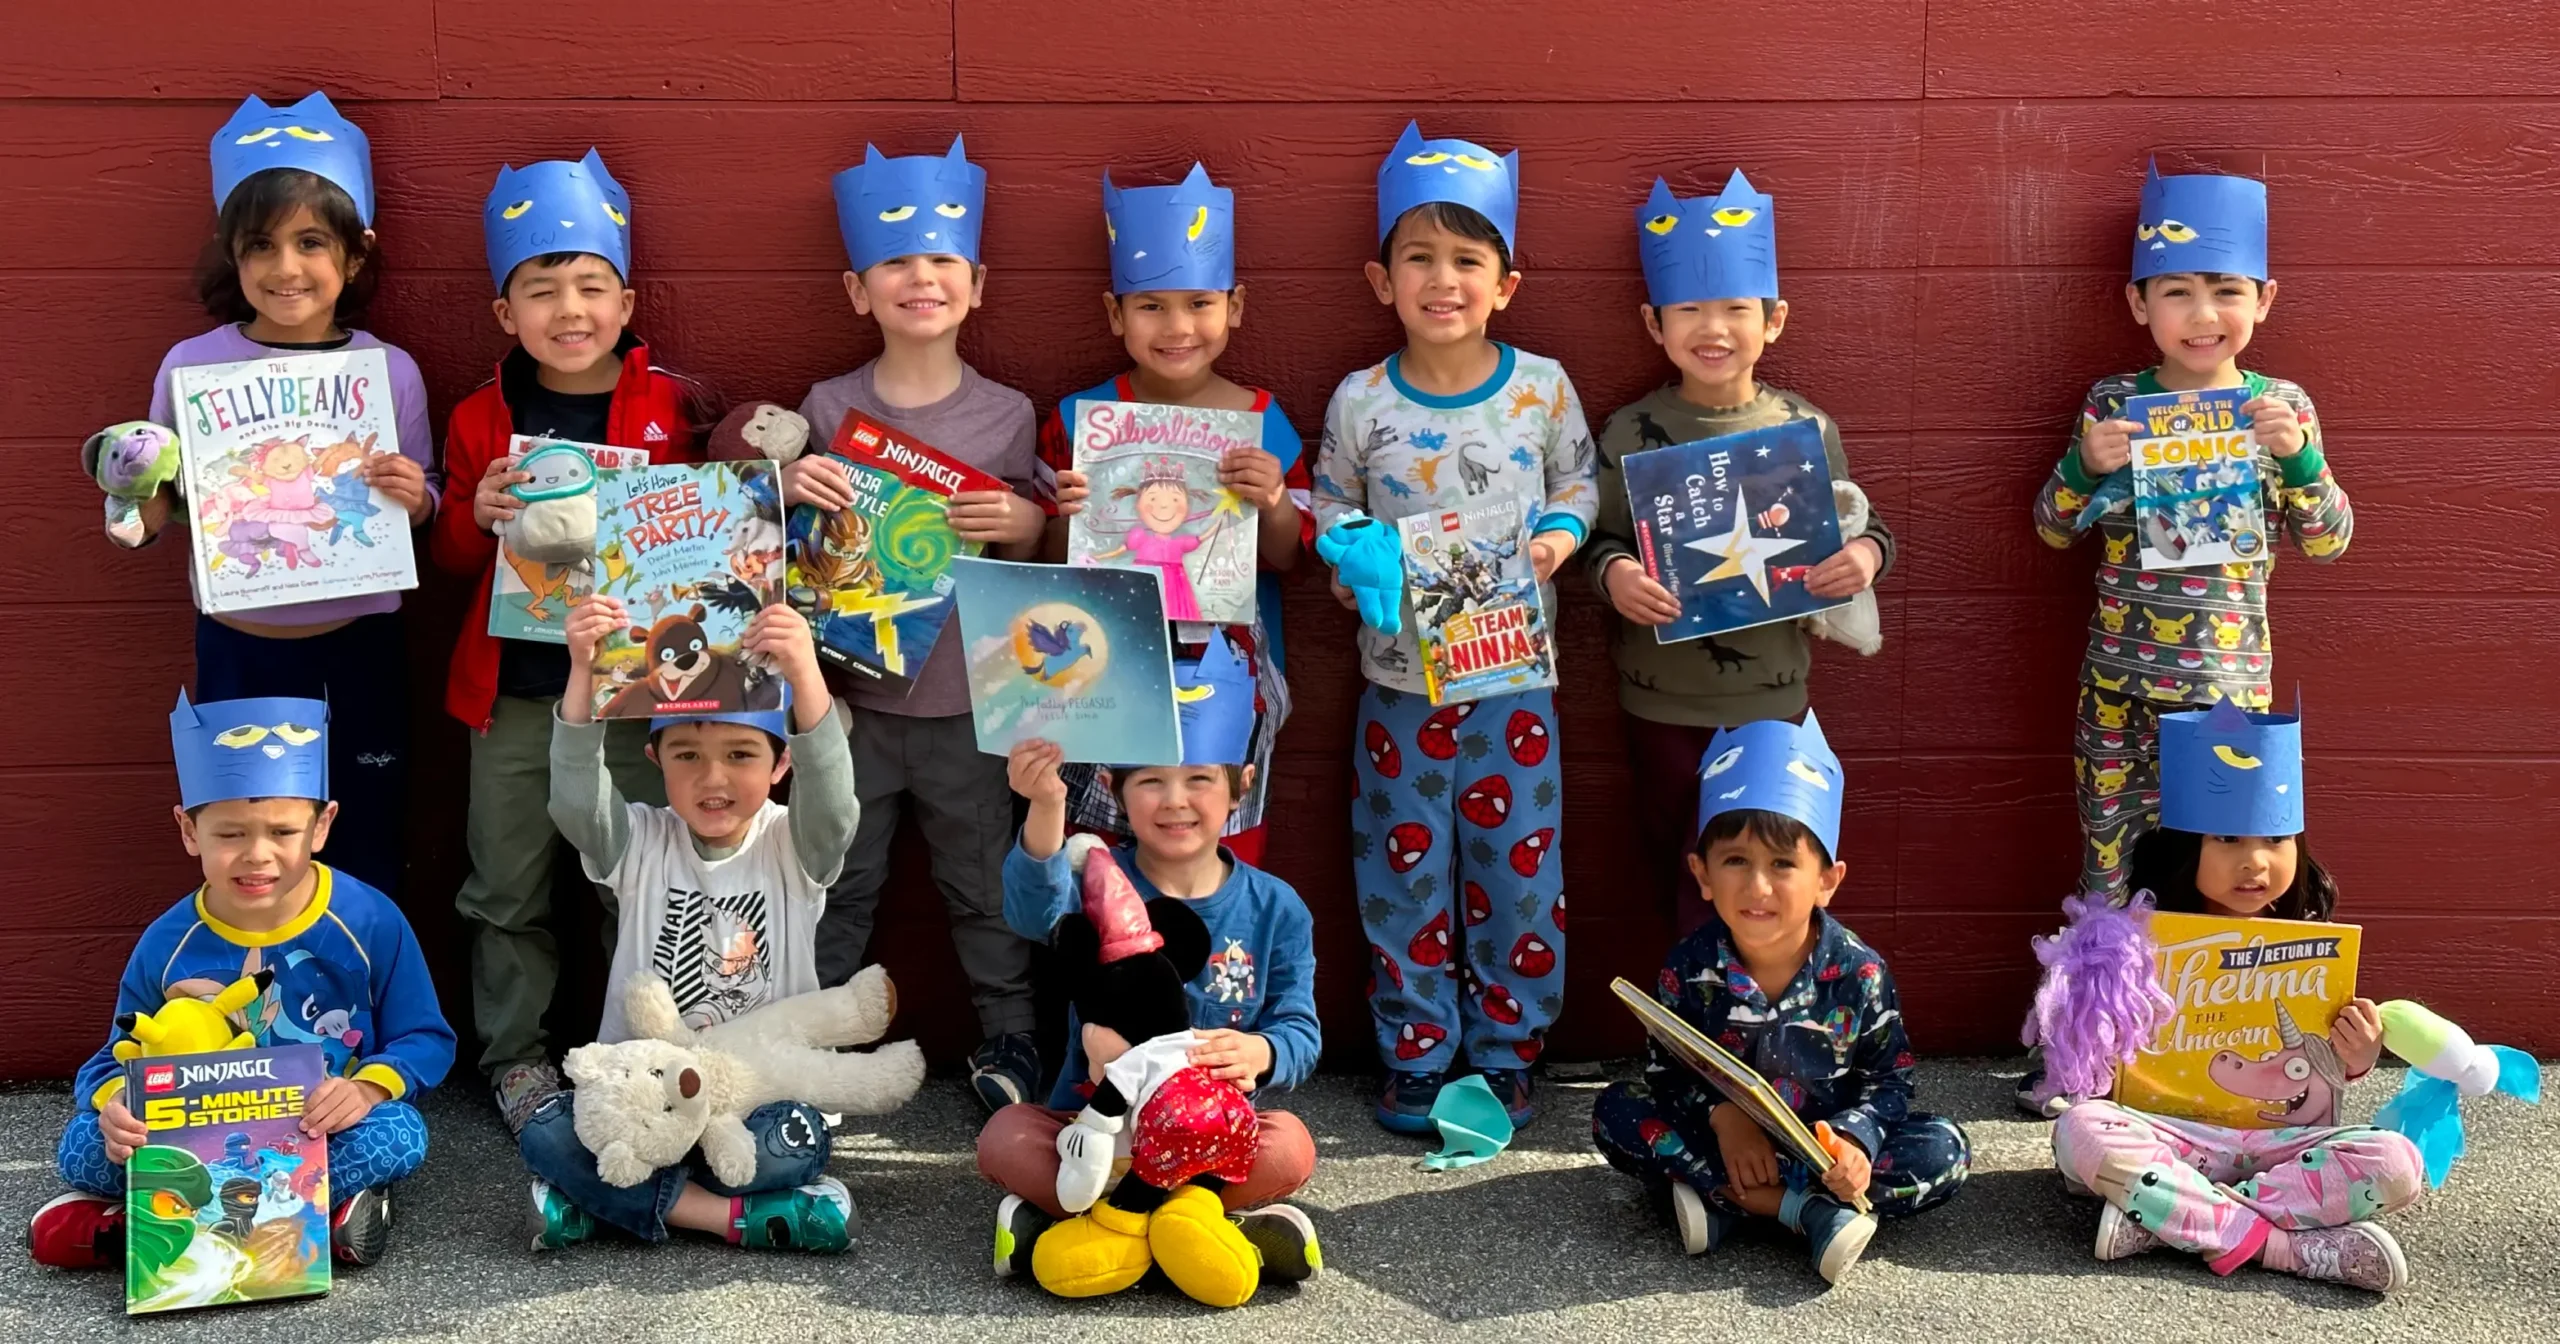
point(1858, 625)
point(642, 1104)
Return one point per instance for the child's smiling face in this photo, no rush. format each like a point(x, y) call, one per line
point(292, 273)
point(1444, 287)
point(1765, 895)
point(718, 776)
point(1176, 335)
point(2200, 322)
point(923, 297)
point(570, 316)
point(1715, 343)
point(1175, 812)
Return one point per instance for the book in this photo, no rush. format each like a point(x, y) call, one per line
point(278, 509)
point(692, 551)
point(1474, 594)
point(1082, 657)
point(874, 579)
point(229, 1201)
point(2249, 1045)
point(1740, 1083)
point(2195, 479)
point(1714, 519)
point(528, 599)
point(1156, 503)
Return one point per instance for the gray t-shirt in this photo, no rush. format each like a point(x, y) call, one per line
point(982, 423)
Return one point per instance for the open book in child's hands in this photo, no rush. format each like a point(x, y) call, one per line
point(1739, 1082)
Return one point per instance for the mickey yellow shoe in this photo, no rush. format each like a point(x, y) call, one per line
point(1206, 1256)
point(1094, 1254)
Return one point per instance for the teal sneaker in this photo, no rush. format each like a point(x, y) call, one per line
point(553, 1223)
point(1834, 1233)
point(816, 1217)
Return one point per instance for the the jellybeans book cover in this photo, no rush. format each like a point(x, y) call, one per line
point(1082, 657)
point(2249, 1046)
point(692, 551)
point(229, 1202)
point(875, 579)
point(1731, 526)
point(1474, 594)
point(1156, 503)
point(278, 508)
point(2195, 479)
point(530, 599)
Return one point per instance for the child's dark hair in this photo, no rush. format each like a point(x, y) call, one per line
point(2210, 278)
point(1777, 830)
point(1120, 783)
point(1768, 310)
point(549, 259)
point(257, 206)
point(2164, 864)
point(318, 806)
point(1464, 221)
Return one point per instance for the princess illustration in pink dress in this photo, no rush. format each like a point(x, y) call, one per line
point(1163, 509)
point(287, 503)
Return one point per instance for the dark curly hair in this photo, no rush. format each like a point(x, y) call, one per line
point(2164, 864)
point(1464, 221)
point(256, 207)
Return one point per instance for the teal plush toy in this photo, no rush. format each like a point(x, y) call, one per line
point(130, 461)
point(1367, 560)
point(2445, 1066)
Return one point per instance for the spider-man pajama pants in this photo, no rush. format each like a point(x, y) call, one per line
point(1454, 835)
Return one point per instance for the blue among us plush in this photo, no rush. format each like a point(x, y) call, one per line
point(556, 206)
point(271, 747)
point(1774, 766)
point(903, 207)
point(309, 135)
point(2201, 222)
point(1461, 172)
point(1723, 246)
point(1177, 237)
point(2224, 771)
point(1213, 694)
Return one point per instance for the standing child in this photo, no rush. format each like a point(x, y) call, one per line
point(1174, 302)
point(911, 233)
point(577, 373)
point(1711, 284)
point(290, 269)
point(1776, 980)
point(253, 805)
point(2192, 636)
point(1453, 894)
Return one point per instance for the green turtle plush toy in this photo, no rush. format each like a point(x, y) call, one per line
point(130, 461)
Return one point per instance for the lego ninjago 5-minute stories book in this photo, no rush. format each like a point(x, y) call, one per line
point(229, 1202)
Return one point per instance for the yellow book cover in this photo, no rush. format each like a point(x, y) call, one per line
point(2249, 1046)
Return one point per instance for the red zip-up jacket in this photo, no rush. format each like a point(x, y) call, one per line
point(652, 409)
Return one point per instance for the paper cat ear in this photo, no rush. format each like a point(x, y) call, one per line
point(315, 101)
point(959, 152)
point(594, 163)
point(1661, 202)
point(871, 157)
point(1198, 176)
point(1511, 170)
point(1410, 141)
point(185, 715)
point(2153, 174)
point(1110, 193)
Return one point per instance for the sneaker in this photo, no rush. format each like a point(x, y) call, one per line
point(1836, 1234)
point(523, 1088)
point(77, 1231)
point(816, 1217)
point(1286, 1237)
point(1702, 1226)
point(1004, 1070)
point(360, 1228)
point(1511, 1086)
point(2360, 1255)
point(553, 1223)
point(2120, 1237)
point(2040, 1098)
point(1019, 1223)
point(1404, 1104)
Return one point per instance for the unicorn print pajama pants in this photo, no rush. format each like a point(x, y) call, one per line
point(1454, 838)
point(2218, 1192)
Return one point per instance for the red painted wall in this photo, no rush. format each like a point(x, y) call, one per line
point(1956, 179)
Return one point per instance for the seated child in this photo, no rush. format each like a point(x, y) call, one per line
point(253, 804)
point(1799, 998)
point(1253, 1005)
point(2296, 1199)
point(718, 894)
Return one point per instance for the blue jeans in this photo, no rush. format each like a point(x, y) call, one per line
point(387, 1144)
point(791, 1151)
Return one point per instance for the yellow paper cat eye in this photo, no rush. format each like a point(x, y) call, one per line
point(516, 211)
point(1109, 233)
point(1662, 224)
point(616, 216)
point(246, 735)
point(893, 216)
point(1427, 159)
point(2176, 232)
point(1735, 216)
point(306, 133)
point(951, 211)
point(2234, 757)
point(2145, 232)
point(253, 137)
point(297, 735)
point(1480, 165)
point(1199, 221)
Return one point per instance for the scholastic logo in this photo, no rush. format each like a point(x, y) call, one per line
point(159, 1078)
point(652, 433)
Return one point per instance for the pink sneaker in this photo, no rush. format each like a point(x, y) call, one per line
point(2360, 1255)
point(2120, 1237)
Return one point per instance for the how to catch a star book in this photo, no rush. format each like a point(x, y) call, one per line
point(229, 1201)
point(2249, 1045)
point(1079, 656)
point(1730, 526)
point(278, 507)
point(874, 579)
point(2195, 479)
point(1157, 504)
point(1473, 589)
point(692, 551)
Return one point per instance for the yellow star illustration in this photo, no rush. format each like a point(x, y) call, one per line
point(1745, 555)
point(884, 611)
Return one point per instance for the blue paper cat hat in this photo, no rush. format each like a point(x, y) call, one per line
point(1774, 766)
point(556, 206)
point(1213, 695)
point(1723, 246)
point(270, 747)
point(309, 135)
point(1461, 172)
point(2204, 222)
point(775, 721)
point(1177, 237)
point(2227, 772)
point(919, 204)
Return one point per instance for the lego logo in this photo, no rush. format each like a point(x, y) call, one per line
point(1450, 522)
point(159, 1078)
point(866, 438)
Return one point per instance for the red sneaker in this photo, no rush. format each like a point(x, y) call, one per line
point(77, 1231)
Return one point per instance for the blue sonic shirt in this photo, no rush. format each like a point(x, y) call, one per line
point(349, 977)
